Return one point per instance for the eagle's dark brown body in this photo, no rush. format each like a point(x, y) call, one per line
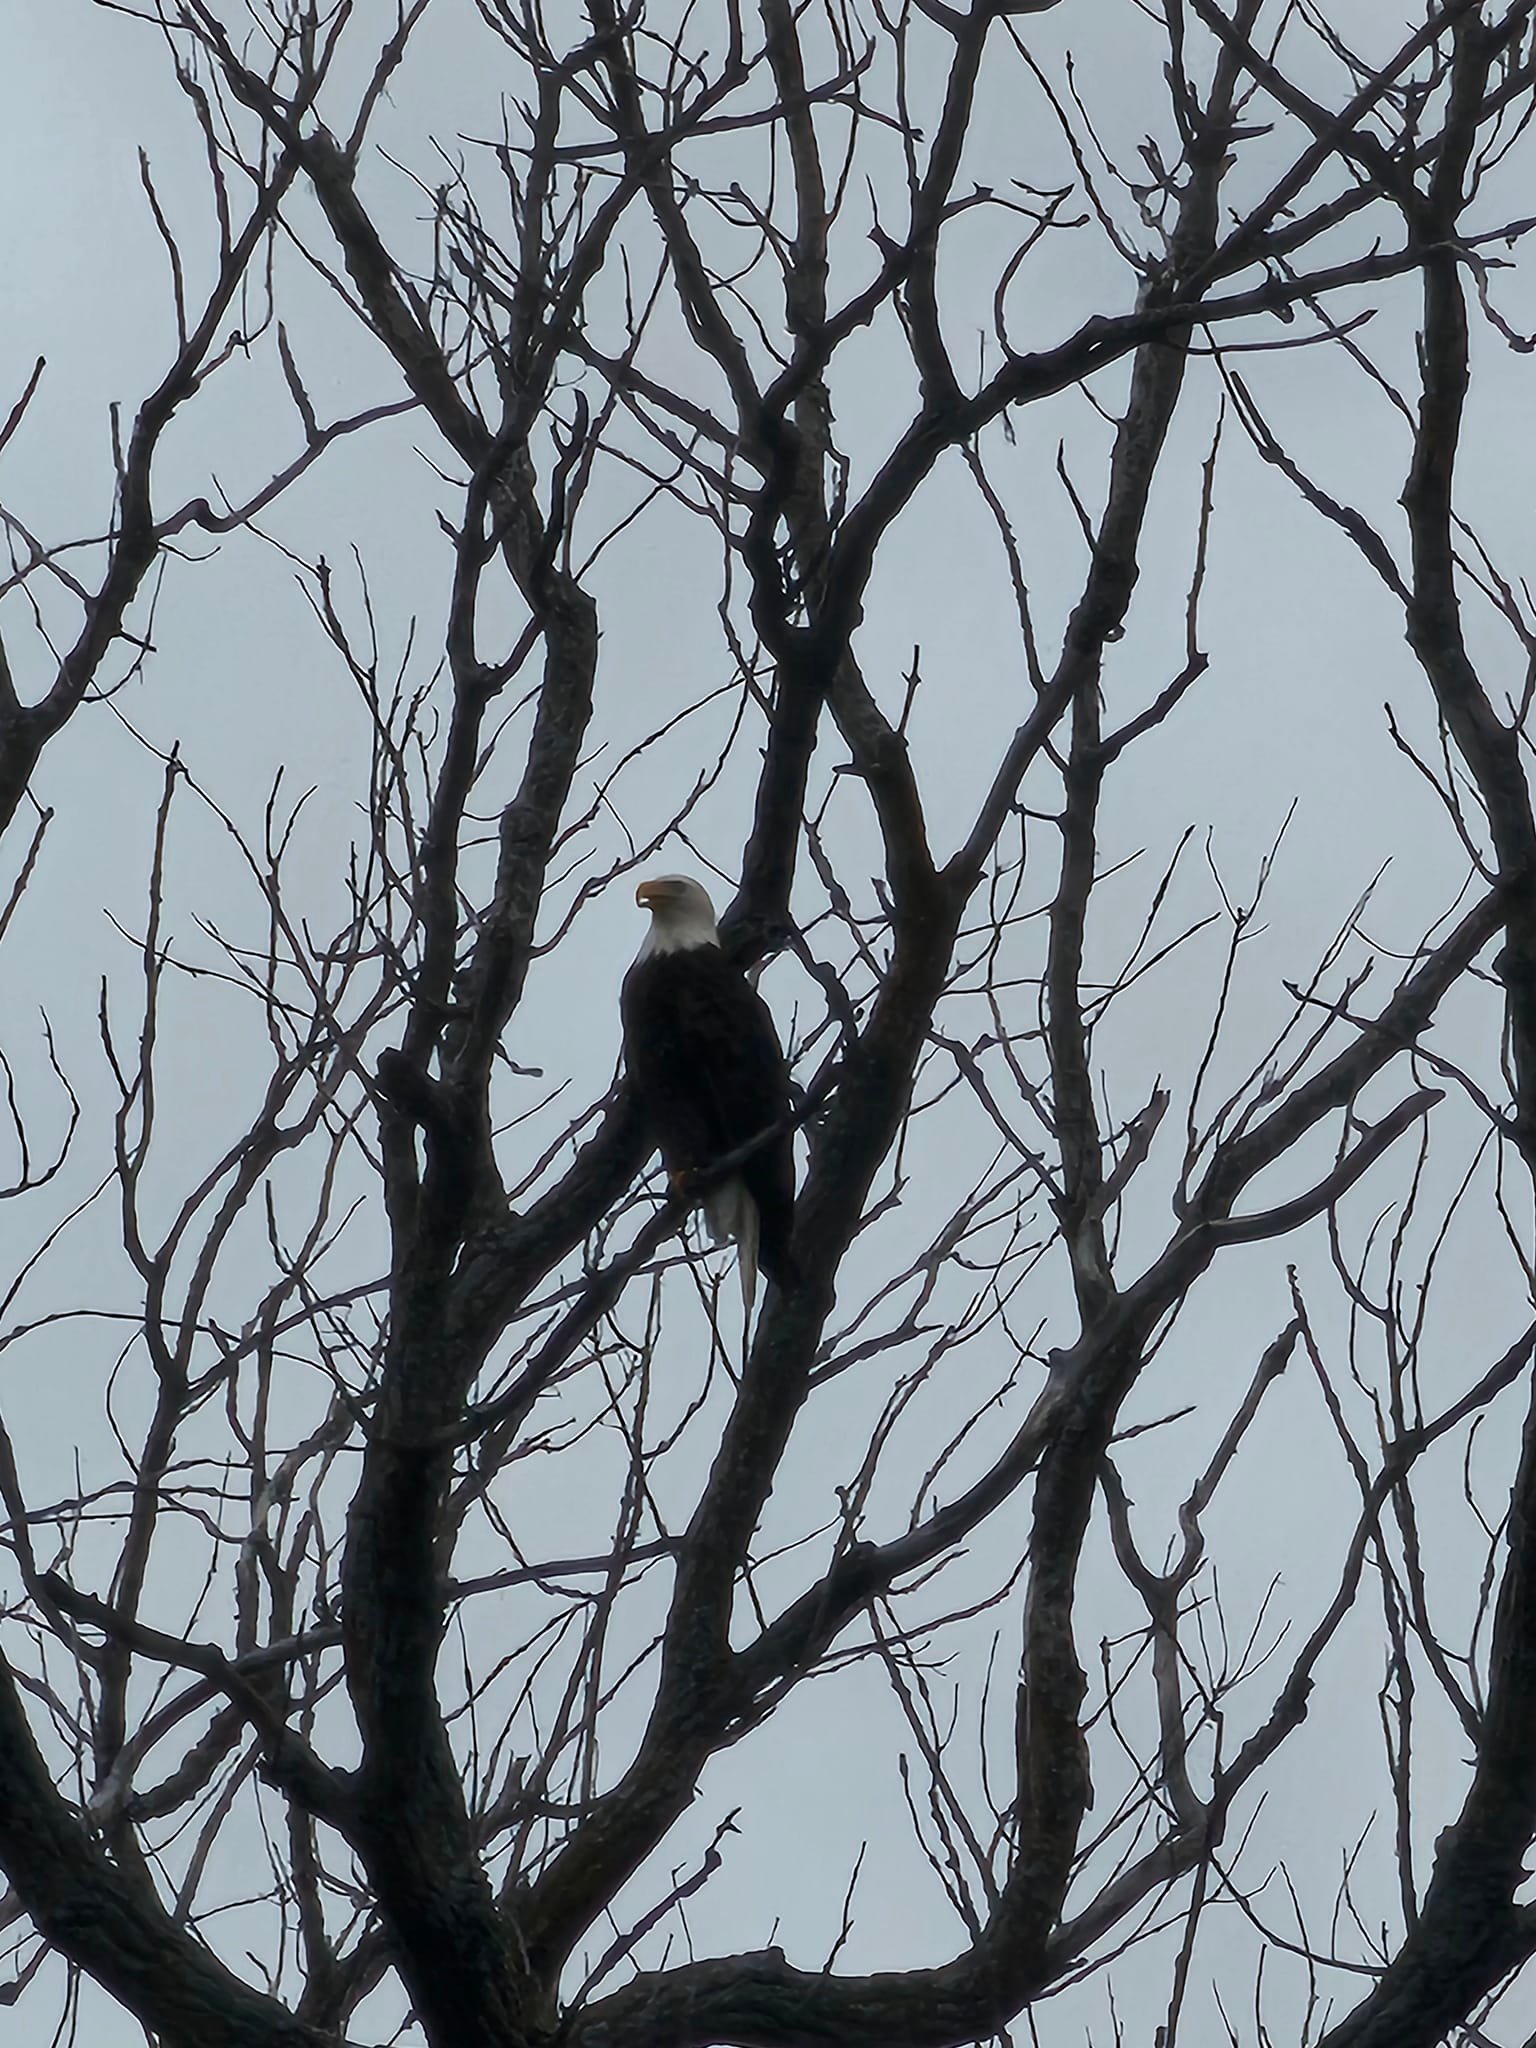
point(705, 1062)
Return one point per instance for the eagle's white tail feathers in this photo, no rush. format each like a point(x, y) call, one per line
point(746, 1251)
point(730, 1212)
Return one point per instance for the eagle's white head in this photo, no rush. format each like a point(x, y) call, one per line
point(682, 915)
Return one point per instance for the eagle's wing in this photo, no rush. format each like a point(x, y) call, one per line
point(702, 1050)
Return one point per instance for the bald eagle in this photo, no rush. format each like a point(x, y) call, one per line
point(705, 1062)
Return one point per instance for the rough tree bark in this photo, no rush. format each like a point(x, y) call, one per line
point(647, 305)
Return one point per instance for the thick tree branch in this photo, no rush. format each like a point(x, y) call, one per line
point(109, 1922)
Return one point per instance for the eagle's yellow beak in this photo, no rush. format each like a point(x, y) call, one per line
point(645, 895)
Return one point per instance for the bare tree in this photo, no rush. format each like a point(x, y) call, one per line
point(305, 1735)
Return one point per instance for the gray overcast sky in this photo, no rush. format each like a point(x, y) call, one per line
point(1305, 651)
